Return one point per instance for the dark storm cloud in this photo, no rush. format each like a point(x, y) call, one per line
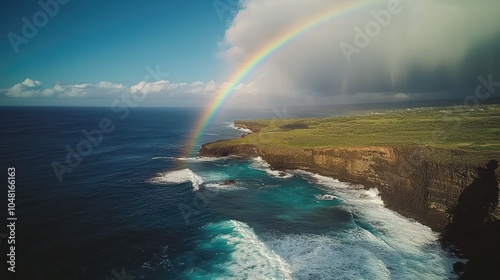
point(427, 46)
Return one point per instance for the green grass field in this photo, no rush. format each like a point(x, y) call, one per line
point(474, 131)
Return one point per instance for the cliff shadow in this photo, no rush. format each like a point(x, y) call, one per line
point(472, 230)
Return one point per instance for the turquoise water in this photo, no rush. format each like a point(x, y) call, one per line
point(298, 226)
point(132, 209)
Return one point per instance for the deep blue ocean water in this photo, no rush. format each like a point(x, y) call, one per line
point(133, 208)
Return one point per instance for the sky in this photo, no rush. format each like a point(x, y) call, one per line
point(184, 52)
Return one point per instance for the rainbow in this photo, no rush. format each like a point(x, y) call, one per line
point(259, 56)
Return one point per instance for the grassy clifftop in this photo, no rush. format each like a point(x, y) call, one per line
point(474, 133)
point(438, 166)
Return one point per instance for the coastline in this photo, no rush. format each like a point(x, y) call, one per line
point(411, 180)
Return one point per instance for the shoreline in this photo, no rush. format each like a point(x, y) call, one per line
point(365, 166)
point(411, 182)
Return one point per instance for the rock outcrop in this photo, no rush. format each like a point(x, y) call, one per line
point(409, 179)
point(433, 186)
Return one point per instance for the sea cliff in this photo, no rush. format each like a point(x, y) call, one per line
point(451, 186)
point(409, 179)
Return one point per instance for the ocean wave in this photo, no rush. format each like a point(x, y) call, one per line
point(328, 257)
point(178, 177)
point(222, 186)
point(250, 258)
point(260, 164)
point(155, 158)
point(233, 126)
point(325, 197)
point(201, 159)
point(405, 244)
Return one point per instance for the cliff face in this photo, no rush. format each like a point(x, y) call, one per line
point(410, 181)
point(458, 199)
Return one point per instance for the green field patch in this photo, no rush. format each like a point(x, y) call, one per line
point(474, 131)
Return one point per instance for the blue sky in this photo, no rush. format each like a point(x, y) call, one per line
point(92, 41)
point(92, 52)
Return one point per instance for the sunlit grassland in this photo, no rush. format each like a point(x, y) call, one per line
point(473, 131)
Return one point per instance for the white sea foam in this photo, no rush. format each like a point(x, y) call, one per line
point(403, 246)
point(233, 126)
point(201, 159)
point(368, 203)
point(328, 257)
point(260, 164)
point(163, 158)
point(212, 176)
point(251, 258)
point(220, 186)
point(177, 177)
point(358, 254)
point(325, 197)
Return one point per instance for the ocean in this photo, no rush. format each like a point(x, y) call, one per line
point(130, 206)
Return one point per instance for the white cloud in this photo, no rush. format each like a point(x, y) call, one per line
point(423, 49)
point(401, 96)
point(154, 87)
point(211, 86)
point(27, 88)
point(424, 45)
point(109, 85)
point(31, 83)
point(182, 90)
point(195, 94)
point(33, 88)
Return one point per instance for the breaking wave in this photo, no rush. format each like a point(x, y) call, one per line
point(233, 126)
point(247, 257)
point(178, 177)
point(260, 164)
point(201, 159)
